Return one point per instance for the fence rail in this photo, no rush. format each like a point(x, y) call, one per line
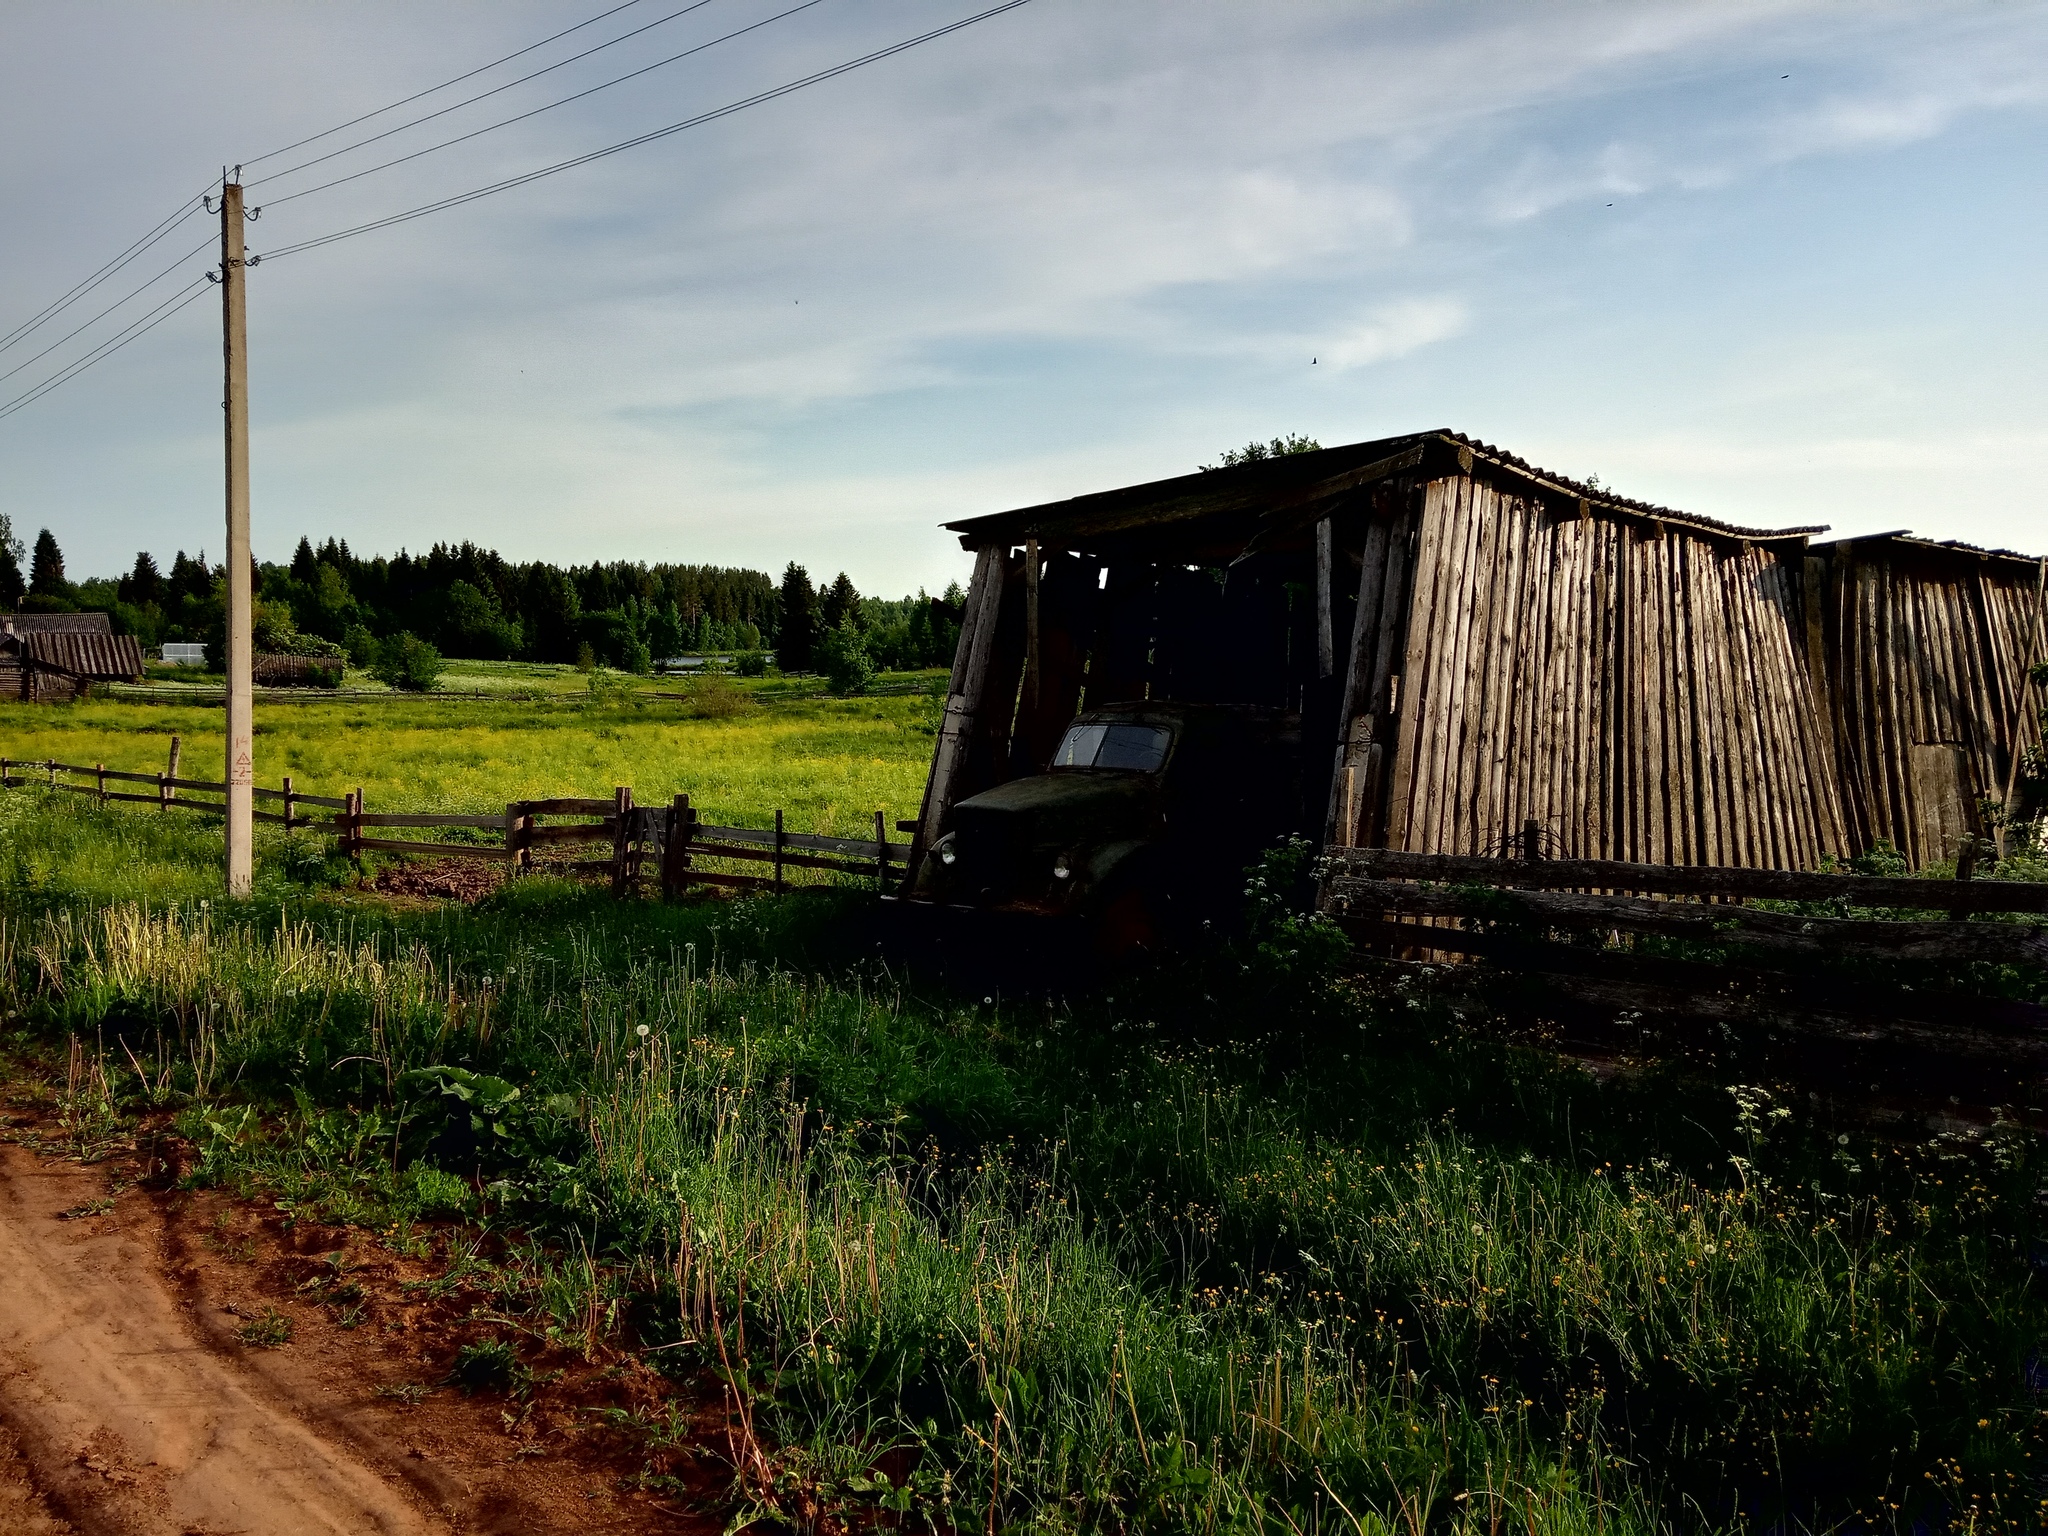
point(666, 841)
point(1575, 924)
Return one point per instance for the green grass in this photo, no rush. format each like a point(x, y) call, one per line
point(1229, 1248)
point(829, 763)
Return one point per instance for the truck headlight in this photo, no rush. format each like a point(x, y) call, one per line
point(1061, 869)
point(947, 853)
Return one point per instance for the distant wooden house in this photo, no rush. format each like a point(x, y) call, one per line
point(1469, 644)
point(51, 657)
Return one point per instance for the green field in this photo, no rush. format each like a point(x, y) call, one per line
point(1241, 1245)
point(736, 749)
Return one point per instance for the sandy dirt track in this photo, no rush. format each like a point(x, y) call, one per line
point(128, 1406)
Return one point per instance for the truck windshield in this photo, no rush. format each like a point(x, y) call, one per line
point(1136, 748)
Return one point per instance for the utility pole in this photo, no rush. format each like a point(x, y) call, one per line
point(241, 756)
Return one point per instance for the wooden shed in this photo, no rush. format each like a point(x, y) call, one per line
point(1469, 644)
point(51, 657)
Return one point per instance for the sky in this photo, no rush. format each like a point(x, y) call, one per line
point(1776, 263)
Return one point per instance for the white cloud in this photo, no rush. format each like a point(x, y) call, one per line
point(1395, 330)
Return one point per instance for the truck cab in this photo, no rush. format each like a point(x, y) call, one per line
point(1140, 828)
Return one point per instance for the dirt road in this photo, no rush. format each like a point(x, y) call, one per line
point(131, 1406)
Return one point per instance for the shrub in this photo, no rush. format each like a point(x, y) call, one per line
point(843, 654)
point(407, 662)
point(751, 663)
point(360, 645)
point(586, 658)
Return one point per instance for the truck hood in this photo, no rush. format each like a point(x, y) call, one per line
point(1008, 836)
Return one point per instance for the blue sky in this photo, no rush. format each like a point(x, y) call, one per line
point(1774, 263)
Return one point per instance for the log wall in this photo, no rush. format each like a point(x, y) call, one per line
point(1637, 688)
point(1925, 651)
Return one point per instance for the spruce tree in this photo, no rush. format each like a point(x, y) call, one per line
point(46, 568)
point(798, 630)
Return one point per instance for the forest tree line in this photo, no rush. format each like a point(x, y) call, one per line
point(471, 602)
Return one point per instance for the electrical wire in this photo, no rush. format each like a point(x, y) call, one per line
point(133, 292)
point(107, 348)
point(646, 138)
point(481, 95)
point(549, 107)
point(430, 90)
point(64, 301)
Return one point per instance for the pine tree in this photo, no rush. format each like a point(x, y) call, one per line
point(46, 568)
point(305, 565)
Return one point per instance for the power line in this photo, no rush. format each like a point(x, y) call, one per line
point(64, 301)
point(549, 107)
point(430, 90)
point(646, 138)
point(481, 95)
point(109, 347)
point(167, 271)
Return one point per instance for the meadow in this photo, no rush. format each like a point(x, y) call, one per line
point(735, 747)
point(1240, 1246)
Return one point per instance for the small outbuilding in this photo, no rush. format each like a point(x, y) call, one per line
point(48, 658)
point(1468, 644)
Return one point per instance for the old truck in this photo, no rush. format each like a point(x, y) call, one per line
point(1138, 830)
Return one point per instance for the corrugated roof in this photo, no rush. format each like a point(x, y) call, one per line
point(56, 623)
point(1947, 546)
point(1244, 501)
point(95, 657)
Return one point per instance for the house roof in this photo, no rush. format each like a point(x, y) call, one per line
point(56, 623)
point(94, 657)
point(1252, 505)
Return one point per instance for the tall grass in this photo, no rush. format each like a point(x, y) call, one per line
point(830, 763)
point(1132, 1264)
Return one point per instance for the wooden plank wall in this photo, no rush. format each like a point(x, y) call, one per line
point(1925, 651)
point(1636, 688)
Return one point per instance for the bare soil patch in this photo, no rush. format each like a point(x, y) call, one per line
point(178, 1363)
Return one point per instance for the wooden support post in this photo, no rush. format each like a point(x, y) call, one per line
point(881, 851)
point(518, 841)
point(288, 822)
point(3, 772)
point(1326, 576)
point(50, 765)
point(1031, 574)
point(171, 770)
point(100, 773)
point(778, 853)
point(1532, 839)
point(622, 833)
point(1966, 869)
point(963, 698)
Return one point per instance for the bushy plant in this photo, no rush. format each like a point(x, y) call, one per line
point(751, 663)
point(360, 645)
point(843, 655)
point(406, 662)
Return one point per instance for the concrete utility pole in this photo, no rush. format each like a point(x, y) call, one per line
point(241, 755)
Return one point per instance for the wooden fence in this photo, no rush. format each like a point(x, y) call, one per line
point(666, 845)
point(1577, 923)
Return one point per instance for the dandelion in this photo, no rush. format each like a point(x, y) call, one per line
point(640, 1030)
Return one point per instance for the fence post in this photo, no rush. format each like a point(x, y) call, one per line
point(881, 851)
point(171, 772)
point(516, 823)
point(622, 816)
point(675, 849)
point(288, 822)
point(1532, 839)
point(51, 764)
point(778, 853)
point(3, 773)
point(1966, 869)
point(100, 773)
